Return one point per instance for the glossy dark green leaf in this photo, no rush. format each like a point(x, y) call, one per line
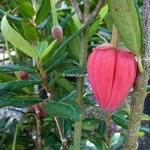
point(43, 11)
point(40, 48)
point(12, 68)
point(120, 121)
point(52, 141)
point(127, 20)
point(21, 103)
point(56, 63)
point(18, 84)
point(71, 110)
point(26, 9)
point(75, 71)
point(30, 32)
point(16, 39)
point(117, 140)
point(66, 127)
point(102, 129)
point(99, 143)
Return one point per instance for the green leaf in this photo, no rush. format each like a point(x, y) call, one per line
point(71, 110)
point(54, 80)
point(74, 45)
point(12, 68)
point(21, 103)
point(99, 143)
point(87, 145)
point(120, 121)
point(145, 117)
point(89, 102)
point(6, 77)
point(48, 49)
point(30, 32)
point(18, 84)
point(27, 9)
point(144, 129)
point(16, 39)
point(66, 127)
point(127, 20)
point(90, 124)
point(56, 63)
point(64, 82)
point(43, 11)
point(117, 140)
point(102, 129)
point(75, 71)
point(40, 48)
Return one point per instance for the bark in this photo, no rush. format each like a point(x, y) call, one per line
point(139, 92)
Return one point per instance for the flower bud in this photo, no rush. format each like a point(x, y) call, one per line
point(40, 106)
point(23, 75)
point(57, 32)
point(111, 74)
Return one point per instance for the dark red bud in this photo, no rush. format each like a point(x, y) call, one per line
point(23, 75)
point(57, 32)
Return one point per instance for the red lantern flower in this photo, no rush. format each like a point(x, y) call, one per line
point(111, 74)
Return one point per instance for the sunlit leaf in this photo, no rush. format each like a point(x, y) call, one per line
point(117, 140)
point(47, 50)
point(127, 20)
point(16, 39)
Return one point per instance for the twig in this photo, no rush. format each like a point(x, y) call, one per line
point(139, 92)
point(42, 75)
point(77, 10)
point(96, 11)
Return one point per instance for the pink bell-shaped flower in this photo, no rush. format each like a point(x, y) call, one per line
point(111, 74)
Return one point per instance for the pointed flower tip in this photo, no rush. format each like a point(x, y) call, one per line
point(57, 32)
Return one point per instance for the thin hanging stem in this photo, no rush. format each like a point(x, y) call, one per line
point(107, 119)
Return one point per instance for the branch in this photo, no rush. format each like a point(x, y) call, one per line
point(140, 85)
point(77, 10)
point(96, 11)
